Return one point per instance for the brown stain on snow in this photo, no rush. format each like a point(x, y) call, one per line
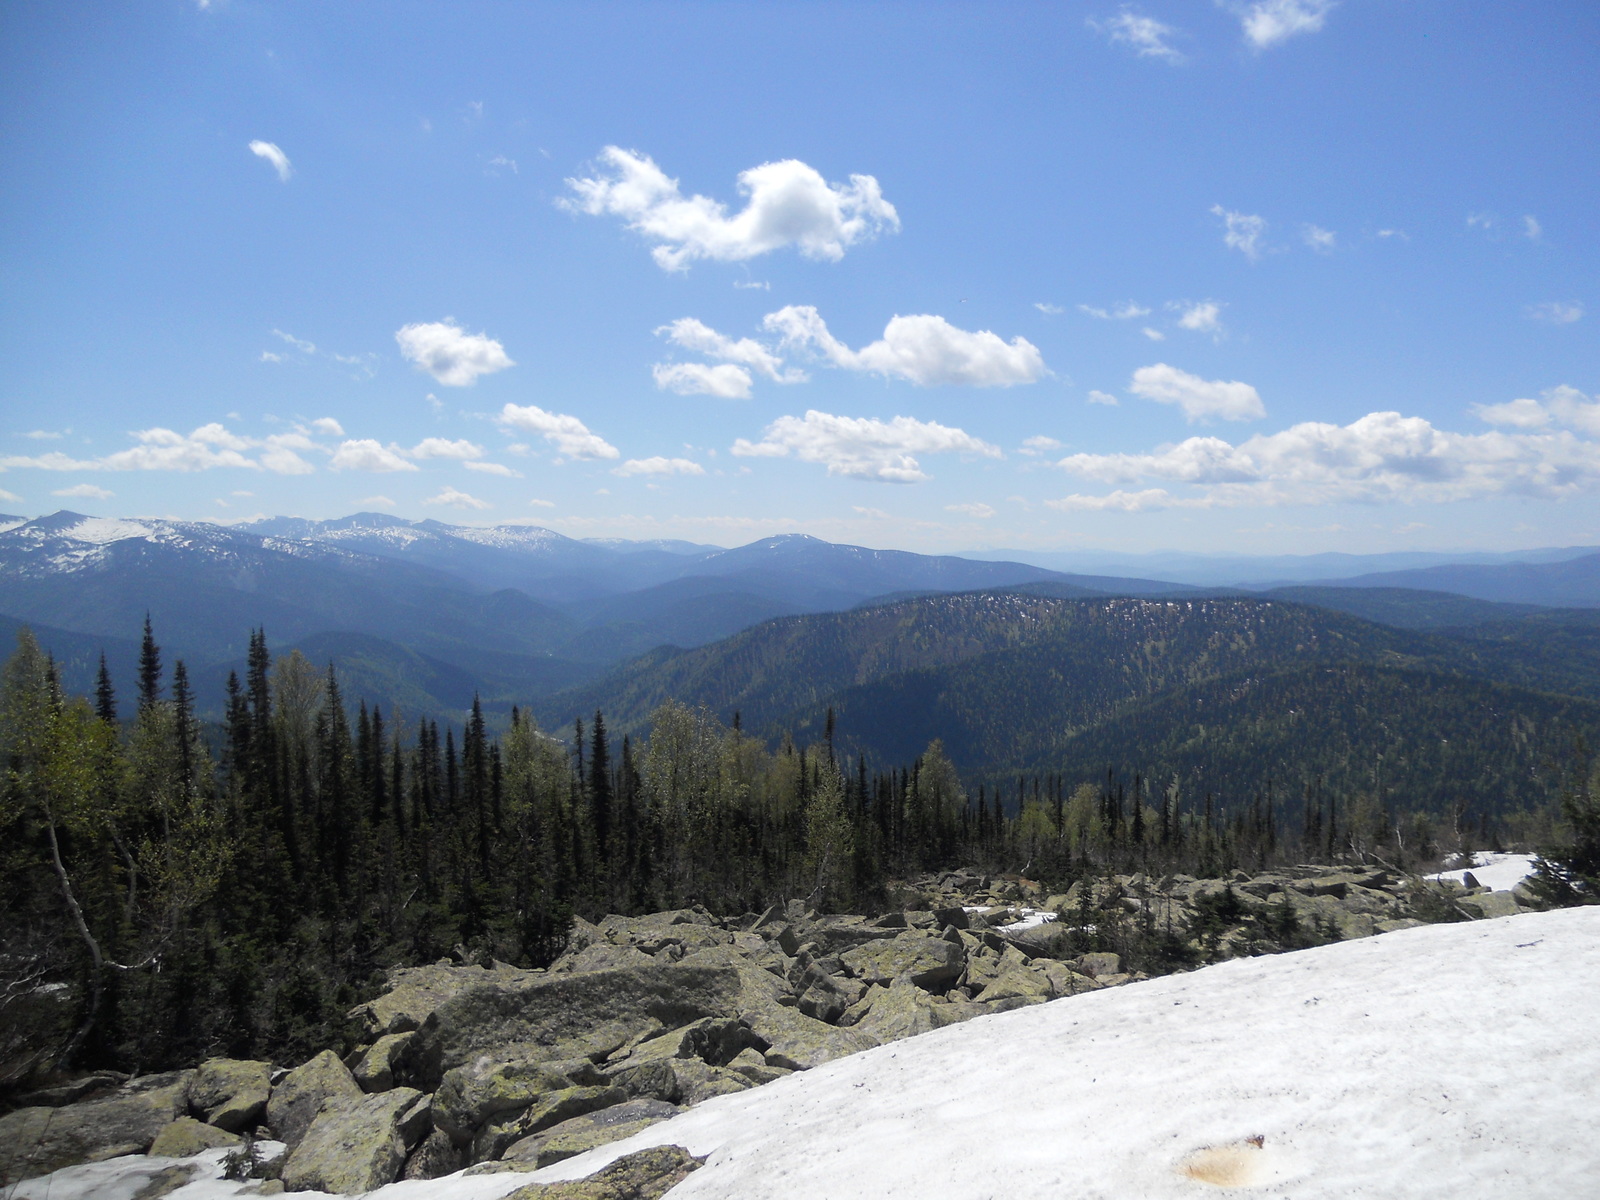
point(1237, 1164)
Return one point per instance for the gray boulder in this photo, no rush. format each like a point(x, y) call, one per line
point(507, 1081)
point(576, 1135)
point(36, 1141)
point(549, 1010)
point(231, 1093)
point(303, 1092)
point(415, 992)
point(355, 1148)
point(929, 962)
point(186, 1137)
point(549, 1109)
point(643, 1175)
point(374, 1070)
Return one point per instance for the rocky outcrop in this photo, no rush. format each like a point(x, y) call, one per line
point(231, 1093)
point(358, 1146)
point(36, 1141)
point(186, 1137)
point(645, 1175)
point(305, 1091)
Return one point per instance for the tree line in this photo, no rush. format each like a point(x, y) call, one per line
point(177, 889)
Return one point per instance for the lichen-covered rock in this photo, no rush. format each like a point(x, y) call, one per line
point(797, 1042)
point(435, 1156)
point(374, 1070)
point(576, 1135)
point(303, 1093)
point(929, 962)
point(231, 1093)
point(551, 1108)
point(186, 1136)
point(507, 1081)
point(36, 1141)
point(548, 1009)
point(415, 992)
point(644, 1175)
point(354, 1148)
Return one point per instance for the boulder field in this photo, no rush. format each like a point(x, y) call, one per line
point(494, 1067)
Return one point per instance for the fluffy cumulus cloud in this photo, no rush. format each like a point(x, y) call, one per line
point(1146, 36)
point(278, 159)
point(927, 350)
point(456, 499)
point(1268, 22)
point(328, 426)
point(786, 203)
point(1382, 457)
point(1556, 406)
point(747, 352)
point(1203, 317)
point(724, 380)
point(863, 447)
point(493, 468)
point(1096, 396)
point(659, 466)
point(450, 354)
point(1200, 399)
point(438, 447)
point(1242, 231)
point(159, 449)
point(570, 436)
point(365, 454)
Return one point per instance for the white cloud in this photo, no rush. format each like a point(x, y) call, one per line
point(927, 350)
point(437, 447)
point(1039, 444)
point(1049, 310)
point(702, 339)
point(456, 499)
point(1557, 312)
point(981, 511)
point(451, 355)
point(1561, 405)
point(1395, 233)
point(725, 380)
point(11, 497)
point(569, 435)
point(365, 454)
point(1126, 311)
point(863, 447)
point(1323, 241)
point(160, 449)
point(299, 344)
point(1268, 22)
point(1200, 399)
point(788, 203)
point(435, 403)
point(1148, 37)
point(269, 356)
point(500, 160)
point(1531, 229)
point(1521, 414)
point(279, 455)
point(493, 468)
point(45, 435)
point(1155, 335)
point(278, 159)
point(659, 466)
point(328, 426)
point(1381, 457)
point(1244, 231)
point(1480, 220)
point(752, 285)
point(1117, 501)
point(376, 502)
point(542, 503)
point(1204, 317)
point(1096, 396)
point(84, 491)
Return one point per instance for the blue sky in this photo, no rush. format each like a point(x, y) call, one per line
point(1278, 276)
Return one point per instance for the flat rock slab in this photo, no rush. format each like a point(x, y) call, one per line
point(353, 1149)
point(36, 1141)
point(645, 1175)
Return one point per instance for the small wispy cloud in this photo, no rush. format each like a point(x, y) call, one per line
point(1096, 396)
point(1155, 335)
point(455, 498)
point(1268, 22)
point(1323, 241)
point(1146, 36)
point(1204, 316)
point(84, 491)
point(1049, 310)
point(1531, 229)
point(1128, 310)
point(1039, 444)
point(278, 159)
point(975, 509)
point(1556, 312)
point(1243, 231)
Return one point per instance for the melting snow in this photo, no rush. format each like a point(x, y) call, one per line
point(1448, 1060)
point(1497, 872)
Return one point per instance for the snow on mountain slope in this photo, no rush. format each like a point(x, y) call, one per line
point(1446, 1060)
point(1449, 1060)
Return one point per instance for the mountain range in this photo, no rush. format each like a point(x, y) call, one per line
point(1465, 690)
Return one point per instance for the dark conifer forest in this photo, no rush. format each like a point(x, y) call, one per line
point(235, 887)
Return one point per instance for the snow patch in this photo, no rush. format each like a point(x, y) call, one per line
point(1497, 872)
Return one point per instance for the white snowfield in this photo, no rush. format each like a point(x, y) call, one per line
point(1495, 871)
point(1457, 1061)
